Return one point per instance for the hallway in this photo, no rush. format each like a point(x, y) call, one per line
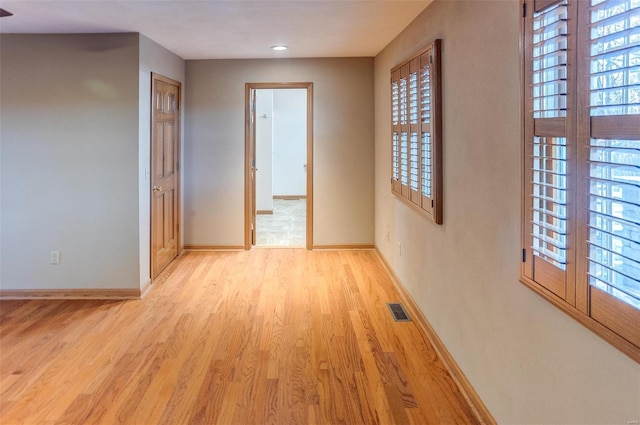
point(268, 336)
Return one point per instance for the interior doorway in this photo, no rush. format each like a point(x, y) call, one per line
point(278, 165)
point(165, 172)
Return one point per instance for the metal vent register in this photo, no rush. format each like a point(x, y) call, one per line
point(398, 312)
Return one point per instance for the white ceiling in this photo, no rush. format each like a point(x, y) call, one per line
point(221, 29)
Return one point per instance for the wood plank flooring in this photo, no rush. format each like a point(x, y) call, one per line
point(268, 336)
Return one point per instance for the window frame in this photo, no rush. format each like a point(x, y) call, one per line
point(615, 321)
point(424, 133)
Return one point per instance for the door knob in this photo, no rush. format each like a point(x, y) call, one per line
point(157, 188)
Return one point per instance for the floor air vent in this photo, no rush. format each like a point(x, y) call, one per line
point(398, 312)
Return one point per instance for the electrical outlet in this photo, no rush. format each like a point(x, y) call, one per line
point(55, 257)
point(399, 249)
point(388, 233)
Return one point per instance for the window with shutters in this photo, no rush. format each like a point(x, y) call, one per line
point(581, 188)
point(416, 145)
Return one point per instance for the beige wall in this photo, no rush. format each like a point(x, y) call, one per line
point(69, 107)
point(75, 148)
point(529, 362)
point(153, 58)
point(343, 146)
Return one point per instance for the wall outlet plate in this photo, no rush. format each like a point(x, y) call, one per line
point(55, 257)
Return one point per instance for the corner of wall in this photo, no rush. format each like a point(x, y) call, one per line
point(153, 58)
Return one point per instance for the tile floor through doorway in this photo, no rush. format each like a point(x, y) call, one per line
point(285, 227)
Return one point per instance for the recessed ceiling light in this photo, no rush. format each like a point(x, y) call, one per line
point(279, 47)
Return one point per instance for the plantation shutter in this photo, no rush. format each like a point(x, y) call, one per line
point(414, 148)
point(395, 132)
point(581, 189)
point(404, 130)
point(548, 147)
point(609, 138)
point(427, 174)
point(416, 162)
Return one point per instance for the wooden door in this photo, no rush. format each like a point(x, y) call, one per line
point(250, 158)
point(165, 165)
point(253, 169)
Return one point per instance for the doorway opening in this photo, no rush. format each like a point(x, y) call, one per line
point(165, 172)
point(279, 165)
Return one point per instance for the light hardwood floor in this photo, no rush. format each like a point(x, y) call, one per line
point(268, 336)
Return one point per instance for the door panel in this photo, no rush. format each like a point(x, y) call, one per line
point(165, 176)
point(169, 140)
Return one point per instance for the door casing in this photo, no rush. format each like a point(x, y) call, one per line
point(249, 169)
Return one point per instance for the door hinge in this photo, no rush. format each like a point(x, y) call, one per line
point(524, 255)
point(524, 10)
point(433, 203)
point(431, 58)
